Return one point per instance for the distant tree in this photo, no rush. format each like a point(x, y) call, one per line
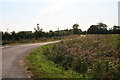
point(6, 36)
point(51, 34)
point(116, 29)
point(38, 32)
point(21, 35)
point(100, 28)
point(38, 28)
point(14, 36)
point(102, 25)
point(92, 30)
point(76, 30)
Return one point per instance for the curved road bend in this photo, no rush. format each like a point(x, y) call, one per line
point(13, 56)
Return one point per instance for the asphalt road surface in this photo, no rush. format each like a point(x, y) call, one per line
point(13, 56)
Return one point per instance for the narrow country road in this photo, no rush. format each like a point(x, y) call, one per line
point(13, 56)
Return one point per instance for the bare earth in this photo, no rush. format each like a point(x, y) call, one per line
point(12, 57)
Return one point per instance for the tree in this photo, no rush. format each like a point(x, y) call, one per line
point(51, 34)
point(116, 29)
point(14, 36)
point(92, 30)
point(38, 32)
point(100, 28)
point(76, 30)
point(102, 25)
point(6, 36)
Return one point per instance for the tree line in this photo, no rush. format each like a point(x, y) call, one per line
point(100, 28)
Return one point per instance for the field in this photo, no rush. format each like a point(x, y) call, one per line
point(89, 56)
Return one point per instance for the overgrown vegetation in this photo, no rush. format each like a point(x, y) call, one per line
point(41, 67)
point(91, 55)
point(38, 34)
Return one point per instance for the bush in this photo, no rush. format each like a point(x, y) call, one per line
point(95, 55)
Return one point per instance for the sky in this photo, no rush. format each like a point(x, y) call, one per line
point(24, 15)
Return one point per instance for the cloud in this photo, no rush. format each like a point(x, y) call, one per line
point(56, 6)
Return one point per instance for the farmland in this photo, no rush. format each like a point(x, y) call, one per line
point(89, 56)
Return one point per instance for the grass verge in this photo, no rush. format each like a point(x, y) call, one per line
point(40, 67)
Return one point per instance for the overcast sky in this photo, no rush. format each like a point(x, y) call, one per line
point(23, 15)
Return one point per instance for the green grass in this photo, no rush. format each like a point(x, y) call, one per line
point(93, 56)
point(41, 67)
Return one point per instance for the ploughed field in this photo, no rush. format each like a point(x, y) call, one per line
point(87, 56)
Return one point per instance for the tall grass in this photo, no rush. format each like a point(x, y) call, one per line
point(41, 67)
point(93, 56)
point(96, 55)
